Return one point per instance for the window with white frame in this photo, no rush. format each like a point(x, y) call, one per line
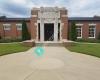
point(79, 31)
point(19, 26)
point(92, 31)
point(7, 26)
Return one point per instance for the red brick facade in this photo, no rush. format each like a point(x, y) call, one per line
point(13, 32)
point(33, 22)
point(32, 26)
point(85, 28)
point(64, 20)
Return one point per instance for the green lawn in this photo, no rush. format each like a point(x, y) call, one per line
point(12, 48)
point(85, 48)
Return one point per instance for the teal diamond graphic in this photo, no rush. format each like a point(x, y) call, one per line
point(39, 51)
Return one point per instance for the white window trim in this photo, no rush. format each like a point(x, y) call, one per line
point(94, 32)
point(81, 33)
point(7, 25)
point(92, 24)
point(79, 24)
point(19, 25)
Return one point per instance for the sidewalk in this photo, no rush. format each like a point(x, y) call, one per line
point(57, 63)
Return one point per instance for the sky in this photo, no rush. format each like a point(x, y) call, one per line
point(76, 8)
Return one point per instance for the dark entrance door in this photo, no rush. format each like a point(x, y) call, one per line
point(49, 32)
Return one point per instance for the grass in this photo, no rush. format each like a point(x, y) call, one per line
point(86, 48)
point(12, 48)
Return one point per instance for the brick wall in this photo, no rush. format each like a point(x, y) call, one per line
point(33, 22)
point(64, 21)
point(85, 28)
point(13, 32)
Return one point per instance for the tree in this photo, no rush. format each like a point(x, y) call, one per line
point(25, 33)
point(73, 32)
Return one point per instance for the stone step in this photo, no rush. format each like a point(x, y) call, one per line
point(49, 44)
point(67, 43)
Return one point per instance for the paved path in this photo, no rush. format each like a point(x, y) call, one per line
point(57, 63)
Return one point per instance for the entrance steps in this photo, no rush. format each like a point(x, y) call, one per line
point(33, 43)
point(53, 43)
point(49, 44)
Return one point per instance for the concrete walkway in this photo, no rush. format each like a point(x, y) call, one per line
point(57, 63)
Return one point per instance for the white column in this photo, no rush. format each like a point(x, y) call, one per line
point(41, 30)
point(41, 26)
point(56, 30)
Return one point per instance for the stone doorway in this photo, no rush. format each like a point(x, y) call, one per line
point(49, 32)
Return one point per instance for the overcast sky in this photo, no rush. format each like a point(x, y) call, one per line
point(76, 8)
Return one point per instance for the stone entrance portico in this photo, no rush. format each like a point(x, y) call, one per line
point(49, 15)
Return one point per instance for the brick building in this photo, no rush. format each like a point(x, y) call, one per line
point(50, 24)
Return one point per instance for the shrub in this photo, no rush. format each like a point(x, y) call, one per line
point(73, 33)
point(25, 33)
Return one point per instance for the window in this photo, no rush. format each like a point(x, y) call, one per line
point(7, 26)
point(91, 31)
point(19, 26)
point(79, 31)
